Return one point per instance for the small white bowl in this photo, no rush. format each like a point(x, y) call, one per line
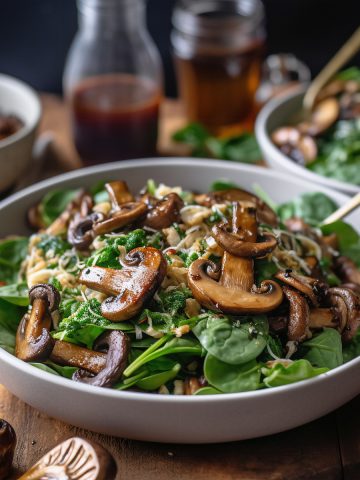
point(276, 114)
point(175, 418)
point(17, 98)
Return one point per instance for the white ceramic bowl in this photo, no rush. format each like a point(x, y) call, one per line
point(276, 114)
point(163, 418)
point(17, 98)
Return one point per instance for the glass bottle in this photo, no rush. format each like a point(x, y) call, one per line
point(218, 47)
point(113, 82)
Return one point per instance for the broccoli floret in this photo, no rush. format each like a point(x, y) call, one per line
point(134, 239)
point(188, 258)
point(174, 301)
point(81, 314)
point(51, 243)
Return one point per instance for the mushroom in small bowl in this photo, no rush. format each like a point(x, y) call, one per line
point(20, 112)
point(324, 148)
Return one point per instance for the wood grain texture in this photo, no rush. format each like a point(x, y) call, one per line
point(348, 424)
point(307, 453)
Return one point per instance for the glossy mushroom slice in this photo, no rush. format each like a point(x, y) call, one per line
point(69, 354)
point(235, 244)
point(74, 459)
point(7, 448)
point(346, 269)
point(117, 345)
point(81, 230)
point(264, 213)
point(131, 287)
point(33, 339)
point(126, 214)
point(347, 304)
point(165, 212)
point(231, 289)
point(119, 193)
point(299, 316)
point(313, 288)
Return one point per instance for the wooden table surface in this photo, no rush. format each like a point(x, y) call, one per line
point(326, 449)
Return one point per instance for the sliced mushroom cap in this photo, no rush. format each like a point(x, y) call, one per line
point(119, 193)
point(300, 147)
point(7, 448)
point(323, 116)
point(347, 304)
point(72, 355)
point(346, 269)
point(323, 318)
point(332, 89)
point(74, 459)
point(232, 289)
point(235, 244)
point(165, 212)
point(117, 345)
point(264, 213)
point(313, 288)
point(299, 316)
point(131, 287)
point(80, 232)
point(33, 339)
point(126, 214)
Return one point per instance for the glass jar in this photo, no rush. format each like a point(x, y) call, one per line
point(113, 82)
point(218, 47)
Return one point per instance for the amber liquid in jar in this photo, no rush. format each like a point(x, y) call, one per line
point(115, 117)
point(218, 87)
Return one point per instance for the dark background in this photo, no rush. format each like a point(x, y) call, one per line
point(36, 34)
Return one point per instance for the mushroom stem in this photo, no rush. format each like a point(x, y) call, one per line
point(323, 317)
point(119, 193)
point(234, 292)
point(69, 354)
point(298, 325)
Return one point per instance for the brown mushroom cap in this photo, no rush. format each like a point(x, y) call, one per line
point(119, 193)
point(264, 213)
point(143, 271)
point(234, 292)
point(33, 339)
point(74, 459)
point(347, 304)
point(126, 214)
point(299, 146)
point(7, 448)
point(346, 269)
point(69, 354)
point(165, 212)
point(80, 232)
point(313, 288)
point(117, 345)
point(235, 244)
point(299, 316)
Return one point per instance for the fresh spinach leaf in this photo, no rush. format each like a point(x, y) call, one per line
point(207, 391)
point(284, 375)
point(311, 207)
point(16, 293)
point(54, 369)
point(232, 342)
point(154, 381)
point(54, 203)
point(231, 378)
point(325, 349)
point(13, 252)
point(10, 316)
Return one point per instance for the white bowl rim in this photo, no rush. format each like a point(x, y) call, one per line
point(8, 80)
point(265, 142)
point(139, 396)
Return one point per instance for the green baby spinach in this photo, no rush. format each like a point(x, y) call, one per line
point(155, 380)
point(10, 316)
point(16, 293)
point(54, 203)
point(280, 374)
point(324, 349)
point(231, 378)
point(232, 342)
point(13, 252)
